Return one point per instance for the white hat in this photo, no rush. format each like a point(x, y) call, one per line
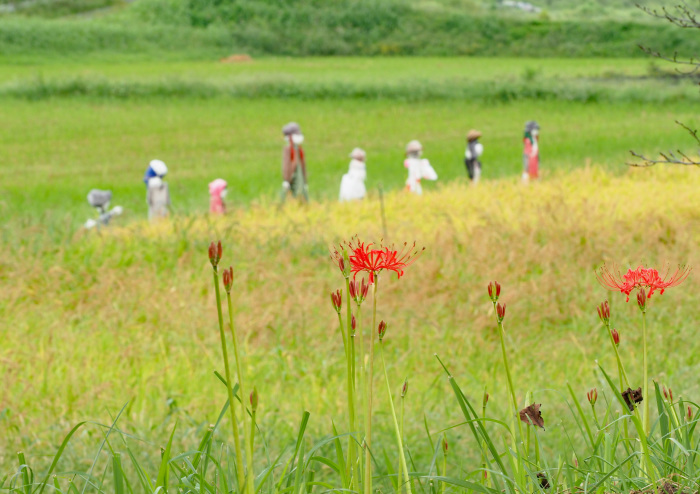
point(413, 146)
point(155, 182)
point(358, 154)
point(158, 167)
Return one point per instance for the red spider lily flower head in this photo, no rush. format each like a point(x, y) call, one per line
point(254, 399)
point(337, 300)
point(500, 312)
point(215, 253)
point(358, 291)
point(641, 277)
point(592, 396)
point(604, 312)
point(404, 388)
point(228, 279)
point(366, 258)
point(689, 413)
point(444, 445)
point(381, 330)
point(353, 323)
point(615, 336)
point(340, 256)
point(494, 290)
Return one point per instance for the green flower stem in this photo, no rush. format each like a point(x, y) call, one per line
point(370, 375)
point(250, 487)
point(240, 471)
point(349, 354)
point(511, 390)
point(360, 398)
point(620, 367)
point(444, 468)
point(399, 440)
point(401, 410)
point(645, 364)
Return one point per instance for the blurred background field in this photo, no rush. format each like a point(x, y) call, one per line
point(91, 90)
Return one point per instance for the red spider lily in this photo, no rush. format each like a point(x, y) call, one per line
point(494, 290)
point(340, 256)
point(500, 311)
point(615, 337)
point(640, 278)
point(604, 312)
point(337, 300)
point(228, 279)
point(366, 259)
point(592, 396)
point(358, 291)
point(215, 253)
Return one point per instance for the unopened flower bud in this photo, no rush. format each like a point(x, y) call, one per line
point(215, 253)
point(494, 290)
point(352, 289)
point(254, 399)
point(353, 323)
point(444, 445)
point(500, 312)
point(689, 414)
point(642, 299)
point(228, 279)
point(665, 391)
point(382, 330)
point(364, 289)
point(615, 337)
point(404, 388)
point(592, 396)
point(486, 399)
point(670, 394)
point(604, 312)
point(337, 300)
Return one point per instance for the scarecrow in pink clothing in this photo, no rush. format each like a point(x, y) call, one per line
point(217, 192)
point(531, 151)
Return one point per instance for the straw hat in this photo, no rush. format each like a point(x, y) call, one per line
point(413, 146)
point(473, 135)
point(358, 154)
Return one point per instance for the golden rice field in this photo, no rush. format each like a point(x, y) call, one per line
point(96, 321)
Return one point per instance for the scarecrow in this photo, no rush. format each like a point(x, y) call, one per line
point(293, 163)
point(418, 168)
point(352, 186)
point(471, 155)
point(531, 151)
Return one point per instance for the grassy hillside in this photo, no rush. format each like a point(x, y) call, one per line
point(213, 28)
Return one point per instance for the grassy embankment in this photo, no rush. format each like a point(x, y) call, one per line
point(99, 321)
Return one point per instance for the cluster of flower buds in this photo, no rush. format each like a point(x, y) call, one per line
point(642, 299)
point(359, 291)
point(228, 279)
point(444, 445)
point(668, 393)
point(254, 399)
point(689, 414)
point(592, 396)
point(215, 253)
point(337, 300)
point(382, 330)
point(615, 336)
point(604, 312)
point(494, 289)
point(500, 312)
point(404, 388)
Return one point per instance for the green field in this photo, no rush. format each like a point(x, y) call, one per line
point(92, 322)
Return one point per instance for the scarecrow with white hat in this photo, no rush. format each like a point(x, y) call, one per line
point(471, 155)
point(157, 192)
point(418, 168)
point(217, 193)
point(293, 163)
point(352, 185)
point(531, 151)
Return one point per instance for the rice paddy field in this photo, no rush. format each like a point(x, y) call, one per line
point(123, 321)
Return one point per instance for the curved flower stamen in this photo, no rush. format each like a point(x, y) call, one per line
point(647, 278)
